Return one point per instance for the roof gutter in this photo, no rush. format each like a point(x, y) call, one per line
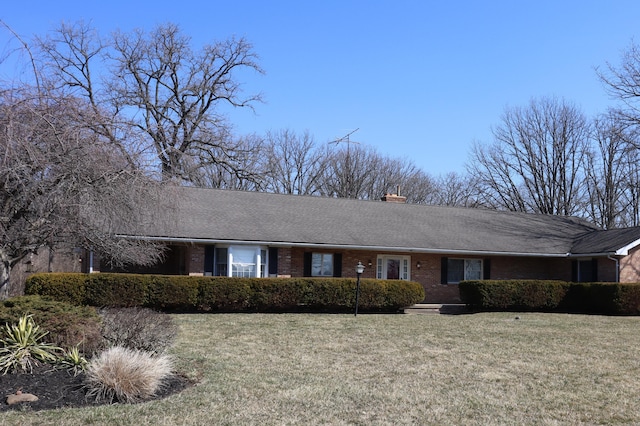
point(343, 246)
point(601, 254)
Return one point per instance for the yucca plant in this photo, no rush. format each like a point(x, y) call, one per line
point(73, 360)
point(22, 346)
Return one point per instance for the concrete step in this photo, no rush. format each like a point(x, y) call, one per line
point(436, 308)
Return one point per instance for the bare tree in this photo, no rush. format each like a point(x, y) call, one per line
point(630, 199)
point(293, 164)
point(455, 190)
point(241, 170)
point(354, 170)
point(63, 184)
point(419, 187)
point(536, 161)
point(349, 172)
point(153, 90)
point(623, 83)
point(395, 175)
point(606, 168)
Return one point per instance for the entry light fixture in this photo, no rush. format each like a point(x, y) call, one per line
point(359, 271)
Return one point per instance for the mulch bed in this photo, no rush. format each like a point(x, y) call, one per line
point(60, 388)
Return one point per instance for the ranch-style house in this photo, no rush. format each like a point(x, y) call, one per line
point(252, 234)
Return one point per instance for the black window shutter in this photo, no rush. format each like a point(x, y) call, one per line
point(337, 264)
point(273, 260)
point(594, 270)
point(306, 269)
point(208, 260)
point(444, 262)
point(574, 271)
point(486, 269)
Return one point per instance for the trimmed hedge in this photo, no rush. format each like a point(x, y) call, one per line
point(224, 294)
point(552, 296)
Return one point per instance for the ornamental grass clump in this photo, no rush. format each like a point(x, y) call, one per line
point(22, 346)
point(126, 375)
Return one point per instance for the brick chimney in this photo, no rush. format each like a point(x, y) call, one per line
point(394, 198)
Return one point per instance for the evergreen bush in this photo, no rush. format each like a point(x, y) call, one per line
point(225, 294)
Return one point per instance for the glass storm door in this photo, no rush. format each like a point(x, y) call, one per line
point(393, 267)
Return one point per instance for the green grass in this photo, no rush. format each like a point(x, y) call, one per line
point(391, 369)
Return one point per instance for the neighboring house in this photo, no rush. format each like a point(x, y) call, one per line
point(252, 234)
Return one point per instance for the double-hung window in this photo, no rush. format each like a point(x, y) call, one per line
point(463, 269)
point(322, 264)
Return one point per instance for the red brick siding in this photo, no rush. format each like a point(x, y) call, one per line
point(284, 262)
point(629, 269)
point(291, 264)
point(525, 268)
point(606, 270)
point(195, 260)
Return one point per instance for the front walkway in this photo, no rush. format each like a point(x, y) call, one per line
point(436, 308)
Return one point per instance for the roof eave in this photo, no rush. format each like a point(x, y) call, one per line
point(346, 246)
point(624, 251)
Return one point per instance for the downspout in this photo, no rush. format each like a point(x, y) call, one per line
point(617, 267)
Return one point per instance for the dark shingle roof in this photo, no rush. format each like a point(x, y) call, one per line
point(609, 241)
point(224, 215)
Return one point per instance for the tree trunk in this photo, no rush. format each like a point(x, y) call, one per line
point(5, 270)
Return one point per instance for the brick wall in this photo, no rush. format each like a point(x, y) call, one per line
point(629, 270)
point(606, 270)
point(525, 268)
point(195, 260)
point(284, 262)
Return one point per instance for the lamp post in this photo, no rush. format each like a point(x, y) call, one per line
point(359, 271)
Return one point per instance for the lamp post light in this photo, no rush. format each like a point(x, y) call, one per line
point(359, 271)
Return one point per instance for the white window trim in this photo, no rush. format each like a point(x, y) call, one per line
point(259, 263)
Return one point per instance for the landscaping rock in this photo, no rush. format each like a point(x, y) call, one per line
point(17, 398)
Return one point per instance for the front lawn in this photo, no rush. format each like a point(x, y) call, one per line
point(391, 369)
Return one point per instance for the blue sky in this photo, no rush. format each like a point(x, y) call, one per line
point(420, 79)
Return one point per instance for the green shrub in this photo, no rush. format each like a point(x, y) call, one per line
point(552, 296)
point(116, 290)
point(126, 375)
point(333, 294)
point(225, 294)
point(172, 293)
point(402, 293)
point(64, 287)
point(627, 300)
point(68, 325)
point(536, 295)
point(276, 294)
point(373, 295)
